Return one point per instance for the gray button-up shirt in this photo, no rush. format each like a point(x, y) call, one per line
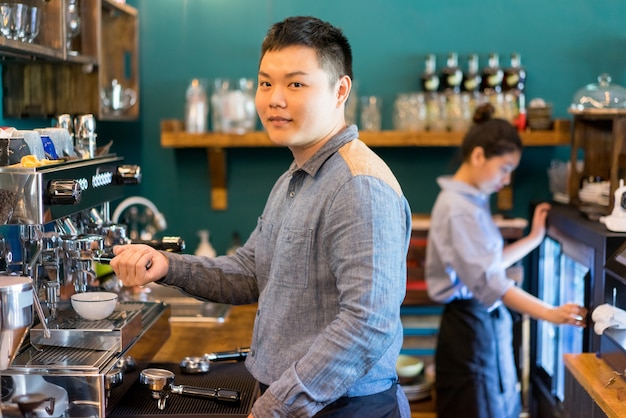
point(464, 247)
point(327, 265)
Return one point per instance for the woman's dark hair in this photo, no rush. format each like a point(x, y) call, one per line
point(333, 49)
point(495, 136)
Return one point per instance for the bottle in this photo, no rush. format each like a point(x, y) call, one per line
point(521, 119)
point(492, 75)
point(205, 249)
point(196, 107)
point(236, 243)
point(471, 78)
point(515, 75)
point(451, 75)
point(429, 78)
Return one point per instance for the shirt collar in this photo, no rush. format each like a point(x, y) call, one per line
point(448, 183)
point(313, 164)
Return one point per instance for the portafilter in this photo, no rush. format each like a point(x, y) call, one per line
point(161, 384)
point(199, 365)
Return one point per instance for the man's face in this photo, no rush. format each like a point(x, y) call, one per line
point(295, 101)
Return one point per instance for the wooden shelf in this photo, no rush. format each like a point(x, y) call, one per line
point(43, 79)
point(173, 135)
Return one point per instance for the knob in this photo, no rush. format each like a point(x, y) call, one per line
point(127, 174)
point(63, 192)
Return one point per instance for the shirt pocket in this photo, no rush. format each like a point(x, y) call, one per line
point(292, 258)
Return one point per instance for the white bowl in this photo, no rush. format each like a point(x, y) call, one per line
point(408, 367)
point(94, 305)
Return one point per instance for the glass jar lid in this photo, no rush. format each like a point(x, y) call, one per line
point(600, 95)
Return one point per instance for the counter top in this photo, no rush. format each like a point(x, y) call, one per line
point(593, 374)
point(198, 338)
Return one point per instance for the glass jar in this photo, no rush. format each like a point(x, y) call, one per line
point(232, 105)
point(196, 107)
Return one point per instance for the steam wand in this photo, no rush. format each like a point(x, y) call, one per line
point(28, 232)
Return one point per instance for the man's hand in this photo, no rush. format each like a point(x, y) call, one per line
point(138, 264)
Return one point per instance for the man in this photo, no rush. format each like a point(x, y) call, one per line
point(327, 260)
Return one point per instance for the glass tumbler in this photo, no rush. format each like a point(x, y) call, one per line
point(6, 15)
point(18, 22)
point(409, 112)
point(232, 105)
point(371, 113)
point(33, 20)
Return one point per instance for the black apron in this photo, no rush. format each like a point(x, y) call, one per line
point(475, 368)
point(379, 405)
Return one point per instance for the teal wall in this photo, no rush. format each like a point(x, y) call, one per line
point(564, 45)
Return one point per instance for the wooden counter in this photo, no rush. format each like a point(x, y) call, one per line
point(592, 374)
point(198, 338)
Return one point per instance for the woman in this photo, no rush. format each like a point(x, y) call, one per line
point(465, 270)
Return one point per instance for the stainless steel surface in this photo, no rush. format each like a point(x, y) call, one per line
point(81, 373)
point(158, 381)
point(116, 332)
point(127, 364)
point(54, 240)
point(195, 365)
point(186, 308)
point(16, 315)
point(113, 378)
point(65, 121)
point(30, 402)
point(95, 176)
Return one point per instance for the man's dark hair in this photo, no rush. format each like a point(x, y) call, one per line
point(332, 47)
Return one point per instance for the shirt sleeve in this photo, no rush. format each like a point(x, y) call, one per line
point(476, 257)
point(222, 279)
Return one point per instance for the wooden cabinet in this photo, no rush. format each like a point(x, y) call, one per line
point(588, 393)
point(46, 78)
point(600, 136)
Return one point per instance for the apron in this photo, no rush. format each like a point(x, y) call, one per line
point(390, 403)
point(475, 368)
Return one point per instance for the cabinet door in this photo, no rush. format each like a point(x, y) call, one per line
point(119, 63)
point(577, 402)
point(79, 80)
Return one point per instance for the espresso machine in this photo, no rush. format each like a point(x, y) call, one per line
point(54, 229)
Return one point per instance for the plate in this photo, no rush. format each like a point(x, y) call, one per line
point(418, 389)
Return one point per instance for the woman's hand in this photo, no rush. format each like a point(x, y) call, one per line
point(538, 227)
point(138, 264)
point(569, 313)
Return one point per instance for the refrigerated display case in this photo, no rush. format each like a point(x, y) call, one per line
point(568, 266)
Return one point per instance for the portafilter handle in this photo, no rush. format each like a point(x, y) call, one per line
point(236, 355)
point(218, 394)
point(161, 383)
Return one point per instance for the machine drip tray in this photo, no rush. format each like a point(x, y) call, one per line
point(185, 308)
point(132, 399)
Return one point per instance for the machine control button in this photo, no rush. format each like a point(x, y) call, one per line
point(63, 192)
